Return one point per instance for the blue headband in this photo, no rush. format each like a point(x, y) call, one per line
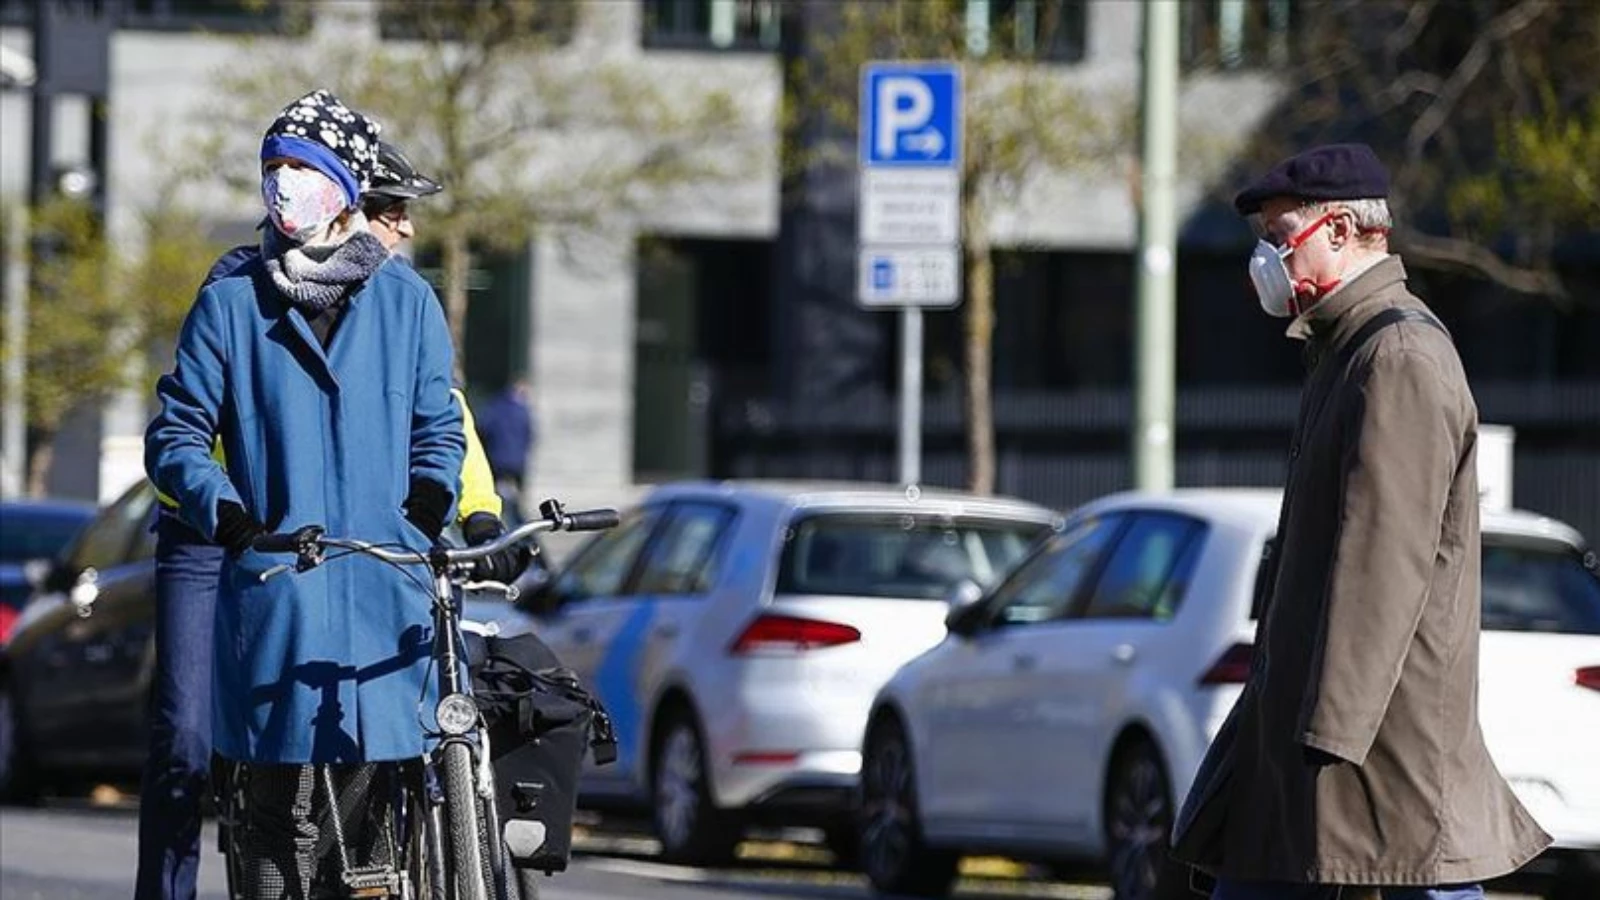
point(316, 156)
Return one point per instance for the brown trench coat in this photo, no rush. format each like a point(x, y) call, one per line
point(1368, 650)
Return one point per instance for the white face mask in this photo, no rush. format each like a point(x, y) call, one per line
point(1278, 293)
point(1270, 275)
point(301, 202)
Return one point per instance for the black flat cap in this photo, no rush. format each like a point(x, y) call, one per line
point(1329, 172)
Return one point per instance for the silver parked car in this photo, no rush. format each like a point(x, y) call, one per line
point(737, 632)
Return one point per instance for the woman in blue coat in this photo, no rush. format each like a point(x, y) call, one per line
point(325, 369)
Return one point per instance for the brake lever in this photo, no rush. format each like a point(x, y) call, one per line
point(275, 571)
point(510, 591)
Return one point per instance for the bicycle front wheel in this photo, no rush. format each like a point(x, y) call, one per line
point(461, 813)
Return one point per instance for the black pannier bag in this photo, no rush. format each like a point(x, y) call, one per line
point(540, 721)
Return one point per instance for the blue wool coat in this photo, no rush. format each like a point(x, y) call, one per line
point(327, 665)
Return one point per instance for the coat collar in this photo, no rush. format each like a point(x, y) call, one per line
point(318, 357)
point(1342, 312)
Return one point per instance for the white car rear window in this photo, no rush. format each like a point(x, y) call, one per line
point(1528, 585)
point(1538, 586)
point(893, 555)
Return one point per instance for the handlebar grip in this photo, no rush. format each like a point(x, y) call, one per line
point(276, 543)
point(287, 543)
point(593, 520)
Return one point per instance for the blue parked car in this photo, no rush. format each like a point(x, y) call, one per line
point(32, 534)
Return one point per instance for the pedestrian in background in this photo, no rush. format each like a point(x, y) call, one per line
point(1354, 755)
point(507, 427)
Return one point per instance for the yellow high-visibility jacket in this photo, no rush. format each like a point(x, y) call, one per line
point(475, 494)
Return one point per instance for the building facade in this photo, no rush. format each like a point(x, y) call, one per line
point(661, 347)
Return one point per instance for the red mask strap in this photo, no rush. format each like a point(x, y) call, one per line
point(1306, 232)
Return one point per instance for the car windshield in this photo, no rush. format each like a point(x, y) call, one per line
point(1528, 585)
point(908, 556)
point(1538, 586)
point(36, 536)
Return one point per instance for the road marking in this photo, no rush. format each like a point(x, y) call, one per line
point(657, 871)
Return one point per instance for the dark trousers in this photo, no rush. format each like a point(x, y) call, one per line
point(1266, 890)
point(188, 568)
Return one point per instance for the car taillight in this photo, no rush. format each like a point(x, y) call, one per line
point(1232, 667)
point(1589, 677)
point(773, 632)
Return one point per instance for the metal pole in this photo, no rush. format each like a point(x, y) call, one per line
point(1155, 354)
point(911, 395)
point(13, 401)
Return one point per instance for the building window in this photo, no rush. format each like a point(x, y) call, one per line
point(1238, 34)
point(712, 24)
point(218, 15)
point(1053, 30)
point(16, 12)
point(410, 20)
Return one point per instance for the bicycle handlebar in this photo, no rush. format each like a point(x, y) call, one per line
point(305, 541)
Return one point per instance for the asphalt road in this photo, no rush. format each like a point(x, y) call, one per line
point(88, 854)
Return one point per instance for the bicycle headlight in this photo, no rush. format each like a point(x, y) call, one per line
point(456, 714)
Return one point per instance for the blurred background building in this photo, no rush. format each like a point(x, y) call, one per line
point(713, 333)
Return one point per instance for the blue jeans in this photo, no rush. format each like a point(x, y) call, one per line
point(1269, 890)
point(188, 568)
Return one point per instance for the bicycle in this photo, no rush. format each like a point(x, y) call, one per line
point(451, 790)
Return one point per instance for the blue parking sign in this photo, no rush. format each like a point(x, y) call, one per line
point(910, 115)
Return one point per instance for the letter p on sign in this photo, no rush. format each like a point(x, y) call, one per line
point(904, 104)
point(910, 115)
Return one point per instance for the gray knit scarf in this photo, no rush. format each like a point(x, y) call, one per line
point(315, 278)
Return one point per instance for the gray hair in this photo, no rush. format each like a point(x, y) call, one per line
point(1370, 214)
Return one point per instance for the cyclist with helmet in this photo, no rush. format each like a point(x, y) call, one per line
point(188, 569)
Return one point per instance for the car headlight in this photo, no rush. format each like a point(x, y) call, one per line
point(456, 714)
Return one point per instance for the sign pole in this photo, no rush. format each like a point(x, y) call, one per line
point(1154, 378)
point(909, 214)
point(911, 395)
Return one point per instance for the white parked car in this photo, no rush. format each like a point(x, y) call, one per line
point(737, 633)
point(1065, 715)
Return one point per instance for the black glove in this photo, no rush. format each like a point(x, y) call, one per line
point(236, 529)
point(505, 566)
point(427, 505)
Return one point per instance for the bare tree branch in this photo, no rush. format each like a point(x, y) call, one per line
point(1455, 254)
point(1501, 27)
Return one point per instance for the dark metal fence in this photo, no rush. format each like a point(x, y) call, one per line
point(1062, 449)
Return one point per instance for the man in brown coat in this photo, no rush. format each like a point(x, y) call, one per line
point(1354, 755)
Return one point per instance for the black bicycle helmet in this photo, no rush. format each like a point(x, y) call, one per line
point(395, 179)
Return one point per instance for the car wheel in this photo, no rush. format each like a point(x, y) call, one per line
point(844, 842)
point(18, 779)
point(1137, 820)
point(691, 829)
point(892, 850)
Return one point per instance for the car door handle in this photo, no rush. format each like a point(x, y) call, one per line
point(1024, 662)
point(1124, 653)
point(666, 632)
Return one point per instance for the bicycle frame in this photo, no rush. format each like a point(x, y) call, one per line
point(467, 798)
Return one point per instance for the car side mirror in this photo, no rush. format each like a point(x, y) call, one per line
point(58, 578)
point(965, 612)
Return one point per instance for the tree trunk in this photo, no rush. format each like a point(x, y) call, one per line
point(457, 269)
point(44, 453)
point(980, 354)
